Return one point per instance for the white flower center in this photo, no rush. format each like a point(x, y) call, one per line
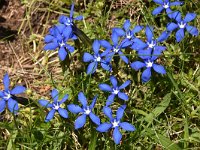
point(181, 25)
point(98, 59)
point(149, 64)
point(7, 95)
point(62, 44)
point(152, 44)
point(56, 106)
point(128, 35)
point(115, 123)
point(68, 23)
point(87, 111)
point(116, 50)
point(166, 5)
point(115, 91)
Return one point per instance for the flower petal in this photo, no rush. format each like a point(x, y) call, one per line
point(172, 26)
point(146, 75)
point(127, 25)
point(123, 57)
point(94, 118)
point(106, 65)
point(48, 38)
point(50, 115)
point(164, 36)
point(192, 30)
point(114, 38)
point(157, 52)
point(1, 94)
point(63, 112)
point(51, 46)
point(82, 99)
point(177, 16)
point(119, 31)
point(13, 106)
point(120, 112)
point(113, 81)
point(158, 2)
point(127, 126)
point(136, 29)
point(110, 99)
point(67, 32)
point(64, 99)
point(123, 96)
point(87, 57)
point(149, 33)
point(117, 136)
point(125, 84)
point(18, 90)
point(2, 105)
point(72, 10)
point(180, 35)
point(93, 102)
point(157, 10)
point(159, 68)
point(105, 44)
point(137, 65)
point(54, 95)
point(108, 112)
point(145, 54)
point(70, 48)
point(45, 103)
point(96, 47)
point(6, 82)
point(189, 17)
point(74, 108)
point(104, 127)
point(139, 44)
point(79, 18)
point(80, 121)
point(62, 53)
point(92, 67)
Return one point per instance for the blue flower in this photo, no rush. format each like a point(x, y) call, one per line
point(58, 37)
point(7, 96)
point(116, 48)
point(165, 5)
point(86, 110)
point(115, 123)
point(96, 58)
point(114, 90)
point(182, 25)
point(55, 106)
point(151, 44)
point(148, 63)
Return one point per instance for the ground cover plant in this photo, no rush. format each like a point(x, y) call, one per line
point(100, 75)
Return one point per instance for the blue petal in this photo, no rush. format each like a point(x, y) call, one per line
point(149, 33)
point(54, 95)
point(108, 112)
point(157, 52)
point(125, 84)
point(48, 38)
point(170, 13)
point(105, 44)
point(96, 47)
point(123, 96)
point(119, 31)
point(137, 29)
point(2, 105)
point(80, 121)
point(93, 102)
point(127, 126)
point(18, 90)
point(159, 2)
point(113, 81)
point(74, 108)
point(6, 82)
point(82, 99)
point(172, 26)
point(139, 44)
point(125, 43)
point(104, 53)
point(13, 106)
point(157, 10)
point(137, 65)
point(87, 57)
point(1, 94)
point(45, 103)
point(192, 30)
point(79, 18)
point(177, 16)
point(159, 68)
point(189, 17)
point(62, 53)
point(104, 127)
point(62, 19)
point(94, 118)
point(64, 99)
point(106, 66)
point(146, 75)
point(120, 112)
point(123, 57)
point(127, 25)
point(60, 28)
point(105, 87)
point(110, 99)
point(117, 136)
point(70, 48)
point(50, 115)
point(176, 3)
point(145, 54)
point(92, 67)
point(114, 38)
point(63, 112)
point(164, 36)
point(72, 10)
point(51, 46)
point(67, 32)
point(180, 35)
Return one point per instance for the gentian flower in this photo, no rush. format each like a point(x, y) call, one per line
point(7, 96)
point(85, 111)
point(116, 48)
point(148, 63)
point(151, 44)
point(57, 38)
point(55, 106)
point(182, 25)
point(114, 90)
point(96, 59)
point(115, 123)
point(165, 5)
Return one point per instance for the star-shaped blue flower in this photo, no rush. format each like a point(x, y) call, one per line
point(55, 106)
point(96, 58)
point(115, 123)
point(165, 5)
point(85, 111)
point(148, 63)
point(182, 25)
point(58, 37)
point(114, 90)
point(6, 96)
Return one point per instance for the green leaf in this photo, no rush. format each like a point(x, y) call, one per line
point(159, 109)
